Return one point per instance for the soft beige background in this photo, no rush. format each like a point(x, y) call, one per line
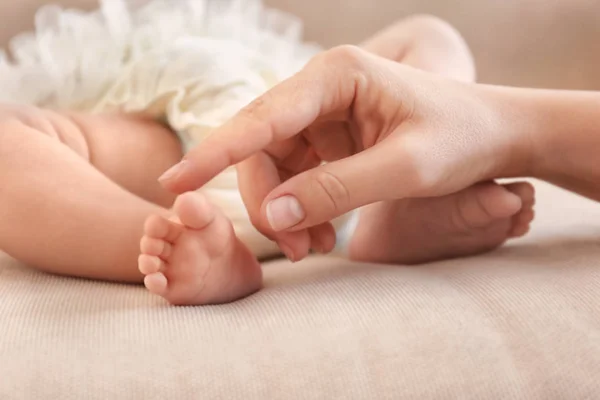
point(547, 43)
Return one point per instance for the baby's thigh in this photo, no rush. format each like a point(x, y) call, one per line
point(131, 150)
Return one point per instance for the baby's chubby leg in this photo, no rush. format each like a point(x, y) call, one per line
point(474, 220)
point(64, 205)
point(78, 190)
point(425, 42)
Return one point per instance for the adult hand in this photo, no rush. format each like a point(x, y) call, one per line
point(387, 130)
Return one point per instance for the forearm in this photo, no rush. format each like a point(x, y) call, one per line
point(557, 135)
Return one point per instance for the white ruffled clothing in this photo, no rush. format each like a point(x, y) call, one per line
point(190, 63)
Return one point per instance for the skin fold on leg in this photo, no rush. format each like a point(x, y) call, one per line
point(77, 189)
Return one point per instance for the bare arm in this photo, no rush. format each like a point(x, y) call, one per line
point(563, 131)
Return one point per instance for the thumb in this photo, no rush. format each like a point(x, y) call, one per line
point(329, 191)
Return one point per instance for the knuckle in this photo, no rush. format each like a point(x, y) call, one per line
point(253, 109)
point(334, 190)
point(255, 115)
point(258, 109)
point(348, 56)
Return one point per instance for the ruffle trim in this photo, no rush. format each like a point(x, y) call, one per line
point(78, 60)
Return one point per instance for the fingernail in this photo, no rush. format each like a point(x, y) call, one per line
point(173, 171)
point(284, 213)
point(287, 251)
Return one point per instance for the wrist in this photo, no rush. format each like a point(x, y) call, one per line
point(542, 128)
point(514, 127)
point(567, 133)
point(553, 135)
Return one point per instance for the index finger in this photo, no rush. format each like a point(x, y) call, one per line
point(327, 84)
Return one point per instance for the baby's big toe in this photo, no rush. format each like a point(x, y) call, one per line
point(483, 204)
point(194, 211)
point(524, 190)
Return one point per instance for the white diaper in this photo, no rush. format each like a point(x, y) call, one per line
point(190, 63)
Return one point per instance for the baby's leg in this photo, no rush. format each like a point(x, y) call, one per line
point(476, 219)
point(61, 214)
point(426, 43)
point(68, 204)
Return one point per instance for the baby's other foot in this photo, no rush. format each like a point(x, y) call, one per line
point(195, 258)
point(472, 221)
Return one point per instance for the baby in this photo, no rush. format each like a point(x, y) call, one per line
point(98, 105)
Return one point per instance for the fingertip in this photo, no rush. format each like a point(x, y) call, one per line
point(323, 238)
point(295, 245)
point(193, 171)
point(173, 173)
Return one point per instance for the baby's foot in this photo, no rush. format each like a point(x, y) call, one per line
point(472, 221)
point(195, 257)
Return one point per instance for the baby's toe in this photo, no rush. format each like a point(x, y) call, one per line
point(521, 223)
point(522, 220)
point(149, 264)
point(525, 191)
point(194, 211)
point(483, 204)
point(156, 283)
point(160, 228)
point(155, 247)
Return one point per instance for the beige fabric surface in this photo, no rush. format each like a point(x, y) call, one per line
point(521, 322)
